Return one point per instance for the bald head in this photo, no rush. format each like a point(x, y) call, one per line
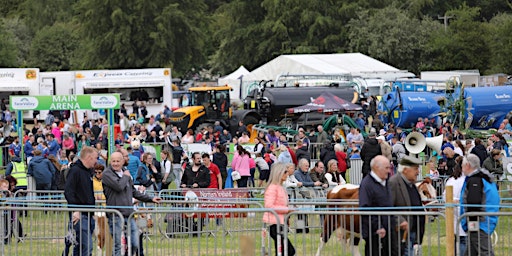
point(117, 161)
point(381, 166)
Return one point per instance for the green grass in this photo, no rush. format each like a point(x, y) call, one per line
point(45, 234)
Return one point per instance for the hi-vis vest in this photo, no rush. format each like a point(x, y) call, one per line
point(20, 173)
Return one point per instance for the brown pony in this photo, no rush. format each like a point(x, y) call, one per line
point(349, 224)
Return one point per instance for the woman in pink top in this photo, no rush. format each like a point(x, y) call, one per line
point(276, 199)
point(56, 131)
point(240, 164)
point(68, 144)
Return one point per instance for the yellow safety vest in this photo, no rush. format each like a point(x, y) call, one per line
point(20, 173)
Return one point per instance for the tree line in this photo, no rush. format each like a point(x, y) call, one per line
point(220, 35)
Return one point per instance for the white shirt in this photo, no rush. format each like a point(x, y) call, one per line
point(291, 182)
point(378, 179)
point(457, 188)
point(458, 151)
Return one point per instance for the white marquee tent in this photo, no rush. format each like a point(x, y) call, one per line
point(355, 64)
point(339, 63)
point(234, 80)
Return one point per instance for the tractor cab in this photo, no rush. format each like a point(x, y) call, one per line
point(202, 106)
point(215, 101)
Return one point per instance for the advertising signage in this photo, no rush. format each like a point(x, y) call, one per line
point(65, 102)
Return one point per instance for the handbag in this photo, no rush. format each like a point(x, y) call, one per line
point(235, 175)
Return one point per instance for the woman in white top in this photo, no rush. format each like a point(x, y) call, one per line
point(333, 177)
point(459, 148)
point(188, 138)
point(291, 181)
point(457, 181)
point(165, 166)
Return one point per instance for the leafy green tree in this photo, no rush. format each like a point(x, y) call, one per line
point(142, 33)
point(237, 32)
point(22, 38)
point(500, 43)
point(392, 36)
point(41, 13)
point(8, 50)
point(463, 45)
point(9, 8)
point(53, 48)
point(252, 33)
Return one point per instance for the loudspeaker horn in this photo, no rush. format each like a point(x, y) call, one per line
point(435, 143)
point(415, 142)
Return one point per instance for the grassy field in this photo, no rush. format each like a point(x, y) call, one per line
point(235, 236)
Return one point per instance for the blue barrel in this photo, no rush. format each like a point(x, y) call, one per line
point(404, 108)
point(488, 105)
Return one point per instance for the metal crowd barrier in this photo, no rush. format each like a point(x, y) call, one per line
point(228, 231)
point(308, 240)
point(213, 225)
point(355, 171)
point(44, 230)
point(500, 241)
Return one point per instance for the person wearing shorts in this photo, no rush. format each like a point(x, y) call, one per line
point(263, 168)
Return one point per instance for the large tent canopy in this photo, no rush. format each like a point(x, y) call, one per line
point(356, 64)
point(233, 80)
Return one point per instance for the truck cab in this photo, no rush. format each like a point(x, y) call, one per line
point(203, 106)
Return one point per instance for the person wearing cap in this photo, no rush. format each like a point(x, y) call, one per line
point(369, 150)
point(405, 194)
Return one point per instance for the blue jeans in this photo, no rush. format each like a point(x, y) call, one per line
point(83, 232)
point(462, 245)
point(158, 186)
point(116, 230)
point(408, 248)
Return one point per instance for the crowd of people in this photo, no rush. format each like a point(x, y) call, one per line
point(59, 155)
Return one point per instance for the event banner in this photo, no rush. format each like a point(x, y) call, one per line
point(65, 102)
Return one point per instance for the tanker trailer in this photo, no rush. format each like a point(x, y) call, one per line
point(270, 103)
point(404, 108)
point(486, 107)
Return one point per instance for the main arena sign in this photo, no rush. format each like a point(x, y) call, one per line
point(65, 102)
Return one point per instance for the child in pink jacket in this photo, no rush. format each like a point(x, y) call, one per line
point(240, 164)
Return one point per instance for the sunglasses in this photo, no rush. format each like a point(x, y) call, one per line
point(98, 172)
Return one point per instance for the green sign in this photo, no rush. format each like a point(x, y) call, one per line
point(65, 102)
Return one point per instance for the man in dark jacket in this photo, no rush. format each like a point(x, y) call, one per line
point(79, 192)
point(119, 190)
point(327, 153)
point(301, 152)
point(196, 175)
point(405, 194)
point(479, 150)
point(42, 170)
point(318, 174)
point(374, 192)
point(369, 150)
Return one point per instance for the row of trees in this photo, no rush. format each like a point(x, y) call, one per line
point(220, 35)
